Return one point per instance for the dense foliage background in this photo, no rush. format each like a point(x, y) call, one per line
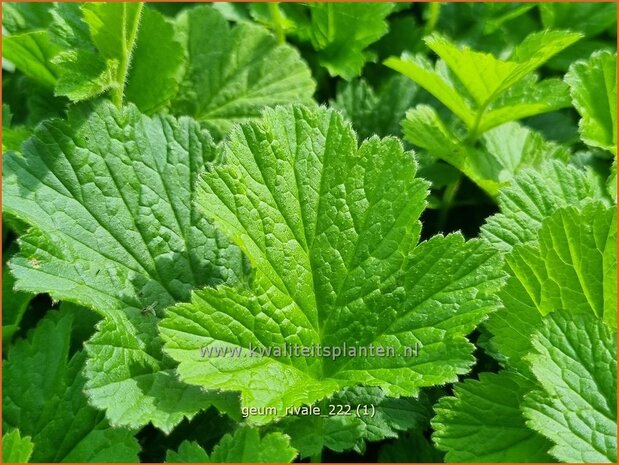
point(141, 222)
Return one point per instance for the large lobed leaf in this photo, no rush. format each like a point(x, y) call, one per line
point(575, 362)
point(109, 196)
point(331, 232)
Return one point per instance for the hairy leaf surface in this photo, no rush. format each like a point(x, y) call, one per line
point(109, 196)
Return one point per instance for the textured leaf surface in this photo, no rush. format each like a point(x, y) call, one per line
point(16, 449)
point(245, 445)
point(354, 416)
point(233, 73)
point(331, 232)
point(575, 361)
point(504, 151)
point(43, 397)
point(376, 112)
point(341, 32)
point(109, 194)
point(533, 195)
point(572, 268)
point(484, 423)
point(593, 85)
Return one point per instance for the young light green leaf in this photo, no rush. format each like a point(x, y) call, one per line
point(419, 69)
point(571, 268)
point(593, 86)
point(234, 73)
point(16, 449)
point(341, 32)
point(331, 231)
point(483, 422)
point(376, 112)
point(485, 79)
point(504, 151)
point(43, 396)
point(109, 196)
point(31, 53)
point(534, 195)
point(575, 361)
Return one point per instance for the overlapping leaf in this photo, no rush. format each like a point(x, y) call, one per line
point(245, 445)
point(572, 268)
point(575, 362)
point(483, 422)
point(43, 397)
point(109, 195)
point(233, 73)
point(593, 86)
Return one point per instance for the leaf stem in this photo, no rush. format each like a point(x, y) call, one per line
point(276, 16)
point(125, 61)
point(434, 10)
point(449, 196)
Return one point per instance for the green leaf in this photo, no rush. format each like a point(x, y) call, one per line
point(424, 128)
point(527, 98)
point(517, 147)
point(12, 136)
point(156, 71)
point(352, 417)
point(419, 69)
point(504, 151)
point(341, 32)
point(331, 232)
point(534, 195)
point(587, 18)
point(31, 53)
point(234, 73)
point(575, 361)
point(572, 268)
point(483, 422)
point(485, 79)
point(374, 112)
point(109, 196)
point(25, 16)
point(245, 445)
point(109, 47)
point(14, 303)
point(16, 449)
point(84, 74)
point(593, 86)
point(188, 452)
point(43, 396)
